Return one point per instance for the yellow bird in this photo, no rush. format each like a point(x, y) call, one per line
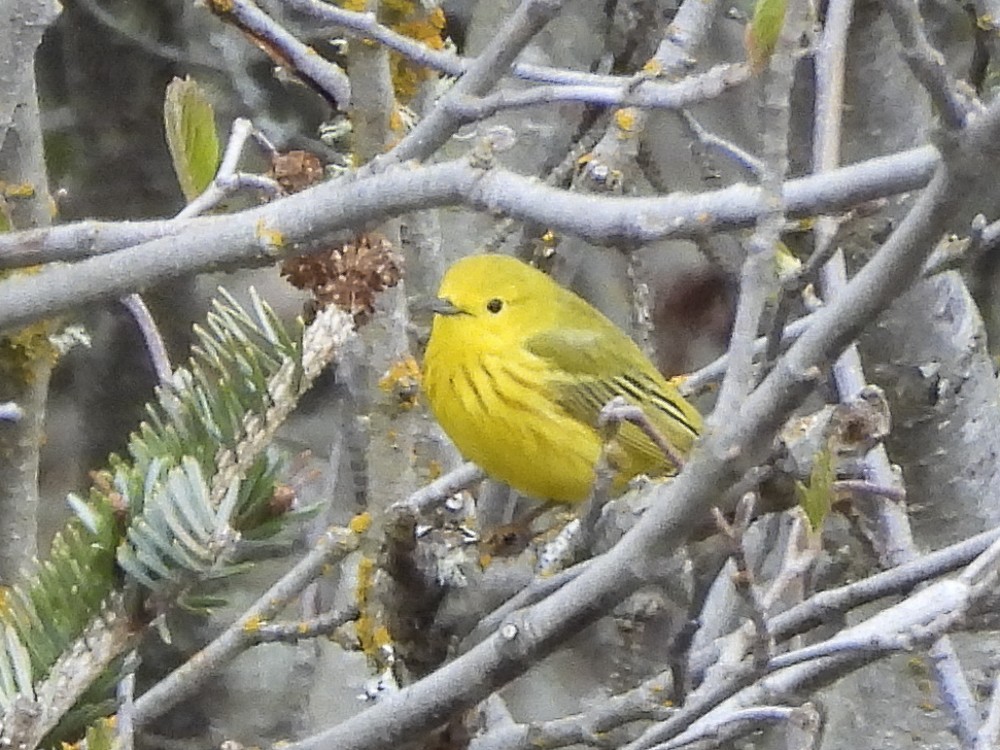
point(518, 369)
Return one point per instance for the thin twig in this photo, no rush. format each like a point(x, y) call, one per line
point(894, 538)
point(795, 563)
point(921, 619)
point(124, 718)
point(892, 492)
point(538, 589)
point(928, 65)
point(186, 679)
point(494, 61)
point(743, 580)
point(744, 159)
point(733, 726)
point(292, 632)
point(619, 147)
point(650, 95)
point(643, 702)
point(168, 250)
point(366, 26)
point(701, 380)
point(758, 280)
point(155, 346)
point(676, 507)
point(951, 255)
point(226, 182)
point(619, 410)
point(440, 489)
point(326, 77)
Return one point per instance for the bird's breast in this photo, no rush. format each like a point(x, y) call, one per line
point(501, 412)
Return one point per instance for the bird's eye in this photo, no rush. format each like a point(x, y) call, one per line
point(494, 305)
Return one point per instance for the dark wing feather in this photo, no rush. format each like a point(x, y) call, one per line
point(591, 368)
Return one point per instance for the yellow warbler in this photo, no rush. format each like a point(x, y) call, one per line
point(518, 369)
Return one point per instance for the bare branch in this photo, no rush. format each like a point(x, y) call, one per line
point(440, 489)
point(155, 346)
point(758, 280)
point(305, 219)
point(928, 66)
point(649, 95)
point(324, 76)
point(495, 60)
point(366, 26)
point(292, 632)
point(239, 636)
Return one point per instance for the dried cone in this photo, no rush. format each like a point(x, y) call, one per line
point(350, 276)
point(296, 170)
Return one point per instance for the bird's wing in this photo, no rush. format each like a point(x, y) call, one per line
point(591, 368)
point(576, 351)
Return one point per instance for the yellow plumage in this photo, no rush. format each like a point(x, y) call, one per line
point(518, 369)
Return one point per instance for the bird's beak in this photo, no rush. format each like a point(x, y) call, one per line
point(443, 306)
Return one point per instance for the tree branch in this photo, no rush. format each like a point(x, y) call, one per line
point(718, 462)
point(261, 235)
point(241, 635)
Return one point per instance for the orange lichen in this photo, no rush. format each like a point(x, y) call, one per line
point(390, 8)
point(434, 470)
point(17, 190)
point(369, 632)
point(26, 352)
point(428, 29)
point(360, 523)
point(402, 381)
point(626, 119)
point(381, 637)
point(396, 121)
point(220, 7)
point(409, 18)
point(253, 624)
point(271, 237)
point(653, 67)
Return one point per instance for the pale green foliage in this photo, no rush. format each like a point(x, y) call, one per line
point(180, 534)
point(763, 32)
point(191, 136)
point(101, 735)
point(15, 668)
point(816, 498)
point(199, 479)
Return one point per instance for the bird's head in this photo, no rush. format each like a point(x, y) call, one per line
point(487, 298)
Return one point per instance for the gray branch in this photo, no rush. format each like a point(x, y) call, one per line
point(718, 462)
point(262, 235)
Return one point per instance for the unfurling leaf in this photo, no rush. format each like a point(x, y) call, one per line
point(763, 32)
point(191, 137)
point(816, 499)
